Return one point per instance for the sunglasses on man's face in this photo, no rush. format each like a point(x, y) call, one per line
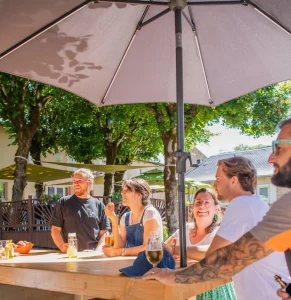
point(276, 142)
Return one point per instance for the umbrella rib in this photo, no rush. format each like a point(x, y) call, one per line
point(154, 18)
point(125, 53)
point(158, 3)
point(44, 29)
point(192, 24)
point(267, 16)
point(203, 3)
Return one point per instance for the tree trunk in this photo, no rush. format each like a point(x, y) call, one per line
point(170, 146)
point(111, 150)
point(118, 176)
point(88, 161)
point(35, 152)
point(108, 182)
point(111, 153)
point(21, 157)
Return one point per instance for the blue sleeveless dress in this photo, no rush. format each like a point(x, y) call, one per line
point(134, 233)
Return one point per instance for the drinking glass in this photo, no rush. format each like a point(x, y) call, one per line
point(109, 240)
point(73, 245)
point(2, 249)
point(154, 250)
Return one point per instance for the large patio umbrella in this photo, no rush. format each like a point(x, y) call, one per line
point(126, 53)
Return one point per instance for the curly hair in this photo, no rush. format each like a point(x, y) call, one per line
point(86, 173)
point(243, 169)
point(140, 186)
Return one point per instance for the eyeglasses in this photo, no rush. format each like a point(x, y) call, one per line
point(206, 203)
point(276, 142)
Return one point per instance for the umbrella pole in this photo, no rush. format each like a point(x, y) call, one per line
point(181, 161)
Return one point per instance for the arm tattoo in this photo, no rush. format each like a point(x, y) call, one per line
point(224, 262)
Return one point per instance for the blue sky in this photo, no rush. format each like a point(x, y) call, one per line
point(230, 138)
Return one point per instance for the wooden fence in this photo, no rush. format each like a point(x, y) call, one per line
point(29, 219)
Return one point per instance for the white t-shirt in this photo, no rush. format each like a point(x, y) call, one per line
point(256, 282)
point(203, 245)
point(149, 214)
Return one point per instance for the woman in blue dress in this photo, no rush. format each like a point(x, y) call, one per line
point(130, 236)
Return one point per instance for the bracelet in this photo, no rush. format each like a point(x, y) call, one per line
point(123, 252)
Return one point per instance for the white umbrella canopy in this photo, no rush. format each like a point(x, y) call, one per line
point(241, 49)
point(104, 53)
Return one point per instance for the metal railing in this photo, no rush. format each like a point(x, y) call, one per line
point(29, 219)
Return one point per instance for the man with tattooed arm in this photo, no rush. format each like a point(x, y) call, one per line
point(273, 233)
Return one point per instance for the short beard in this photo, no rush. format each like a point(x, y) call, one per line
point(283, 176)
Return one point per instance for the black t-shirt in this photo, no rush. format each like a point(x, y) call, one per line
point(85, 217)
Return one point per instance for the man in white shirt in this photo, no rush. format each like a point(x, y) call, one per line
point(236, 180)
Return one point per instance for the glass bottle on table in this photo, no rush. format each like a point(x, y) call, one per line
point(9, 249)
point(73, 245)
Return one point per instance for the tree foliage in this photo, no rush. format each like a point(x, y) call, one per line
point(242, 147)
point(120, 133)
point(255, 114)
point(259, 112)
point(21, 103)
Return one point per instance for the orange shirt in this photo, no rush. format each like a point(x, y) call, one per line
point(274, 231)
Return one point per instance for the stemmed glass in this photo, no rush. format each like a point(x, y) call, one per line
point(154, 250)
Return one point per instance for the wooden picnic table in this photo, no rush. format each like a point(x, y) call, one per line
point(92, 275)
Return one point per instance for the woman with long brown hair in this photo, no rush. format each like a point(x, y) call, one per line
point(130, 236)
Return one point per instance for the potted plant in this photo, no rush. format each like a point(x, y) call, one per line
point(45, 198)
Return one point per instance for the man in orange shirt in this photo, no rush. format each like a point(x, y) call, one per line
point(273, 233)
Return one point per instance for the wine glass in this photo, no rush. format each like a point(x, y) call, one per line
point(154, 250)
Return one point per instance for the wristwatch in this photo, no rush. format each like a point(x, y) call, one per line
point(123, 252)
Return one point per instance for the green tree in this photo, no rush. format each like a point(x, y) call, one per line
point(120, 133)
point(255, 114)
point(196, 120)
point(21, 103)
point(242, 147)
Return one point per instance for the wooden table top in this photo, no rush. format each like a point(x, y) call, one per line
point(91, 274)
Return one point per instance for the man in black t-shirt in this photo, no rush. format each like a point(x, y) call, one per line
point(79, 213)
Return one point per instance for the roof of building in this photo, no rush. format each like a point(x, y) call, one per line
point(196, 151)
point(259, 157)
